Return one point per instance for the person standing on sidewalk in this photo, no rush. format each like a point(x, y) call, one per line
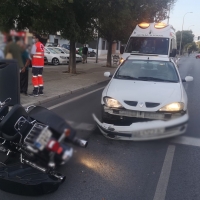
point(14, 50)
point(85, 53)
point(37, 54)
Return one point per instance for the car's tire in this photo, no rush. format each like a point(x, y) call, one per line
point(55, 61)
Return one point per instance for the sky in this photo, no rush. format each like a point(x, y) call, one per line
point(191, 20)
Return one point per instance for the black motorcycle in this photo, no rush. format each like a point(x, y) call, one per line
point(37, 137)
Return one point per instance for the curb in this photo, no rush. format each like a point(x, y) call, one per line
point(62, 95)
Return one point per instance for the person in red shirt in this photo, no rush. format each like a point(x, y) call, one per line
point(37, 54)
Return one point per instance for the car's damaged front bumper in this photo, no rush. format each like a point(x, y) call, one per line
point(150, 130)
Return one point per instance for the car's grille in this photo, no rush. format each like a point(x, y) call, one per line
point(151, 105)
point(131, 103)
point(141, 114)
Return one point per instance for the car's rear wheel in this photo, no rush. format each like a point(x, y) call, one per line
point(55, 61)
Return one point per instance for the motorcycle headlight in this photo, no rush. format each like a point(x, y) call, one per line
point(113, 103)
point(173, 107)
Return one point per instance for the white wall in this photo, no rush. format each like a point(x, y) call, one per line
point(61, 41)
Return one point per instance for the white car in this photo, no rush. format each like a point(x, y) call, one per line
point(54, 57)
point(67, 52)
point(144, 100)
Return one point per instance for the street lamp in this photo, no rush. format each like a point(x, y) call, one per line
point(190, 26)
point(182, 33)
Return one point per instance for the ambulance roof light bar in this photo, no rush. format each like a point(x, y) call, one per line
point(159, 25)
point(144, 25)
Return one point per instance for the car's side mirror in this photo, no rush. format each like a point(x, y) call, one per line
point(107, 74)
point(121, 49)
point(188, 79)
point(173, 53)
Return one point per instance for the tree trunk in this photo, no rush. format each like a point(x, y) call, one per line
point(72, 58)
point(109, 59)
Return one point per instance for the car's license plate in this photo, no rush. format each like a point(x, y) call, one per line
point(149, 132)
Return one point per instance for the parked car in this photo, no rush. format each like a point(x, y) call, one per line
point(66, 46)
point(197, 56)
point(91, 52)
point(67, 52)
point(144, 100)
point(50, 44)
point(54, 57)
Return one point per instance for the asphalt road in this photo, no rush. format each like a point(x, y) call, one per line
point(121, 170)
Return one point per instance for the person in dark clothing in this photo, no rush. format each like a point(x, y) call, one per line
point(24, 71)
point(85, 53)
point(14, 50)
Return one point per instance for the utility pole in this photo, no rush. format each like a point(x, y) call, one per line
point(97, 45)
point(168, 14)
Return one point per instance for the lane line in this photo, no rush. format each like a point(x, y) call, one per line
point(74, 99)
point(187, 141)
point(161, 188)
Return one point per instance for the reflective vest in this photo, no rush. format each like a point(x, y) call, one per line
point(38, 57)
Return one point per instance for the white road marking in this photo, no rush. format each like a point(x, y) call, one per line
point(74, 99)
point(187, 141)
point(161, 188)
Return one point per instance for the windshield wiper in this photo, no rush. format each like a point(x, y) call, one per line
point(127, 77)
point(143, 78)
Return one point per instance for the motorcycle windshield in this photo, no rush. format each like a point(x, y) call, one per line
point(55, 122)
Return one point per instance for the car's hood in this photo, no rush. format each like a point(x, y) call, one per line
point(144, 91)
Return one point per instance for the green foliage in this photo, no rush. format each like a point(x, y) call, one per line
point(118, 18)
point(77, 19)
point(190, 47)
point(187, 37)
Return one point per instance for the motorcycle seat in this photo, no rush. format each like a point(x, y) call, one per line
point(7, 124)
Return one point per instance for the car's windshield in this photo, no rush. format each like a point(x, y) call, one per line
point(148, 45)
point(65, 50)
point(161, 71)
point(52, 50)
point(58, 50)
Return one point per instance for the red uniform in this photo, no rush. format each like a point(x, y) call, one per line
point(37, 67)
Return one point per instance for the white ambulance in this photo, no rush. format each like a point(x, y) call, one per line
point(158, 39)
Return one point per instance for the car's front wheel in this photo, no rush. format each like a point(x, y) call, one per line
point(55, 61)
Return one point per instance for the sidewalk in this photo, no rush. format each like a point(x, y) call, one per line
point(57, 83)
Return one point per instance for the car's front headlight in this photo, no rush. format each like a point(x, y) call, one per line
point(63, 57)
point(113, 103)
point(172, 107)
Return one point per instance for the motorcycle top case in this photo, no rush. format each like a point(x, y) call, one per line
point(22, 179)
point(9, 81)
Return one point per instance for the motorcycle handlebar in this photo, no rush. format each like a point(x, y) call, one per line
point(5, 102)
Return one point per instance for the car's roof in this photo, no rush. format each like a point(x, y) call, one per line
point(148, 57)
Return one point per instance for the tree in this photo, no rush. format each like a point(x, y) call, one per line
point(119, 17)
point(187, 37)
point(190, 47)
point(73, 18)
